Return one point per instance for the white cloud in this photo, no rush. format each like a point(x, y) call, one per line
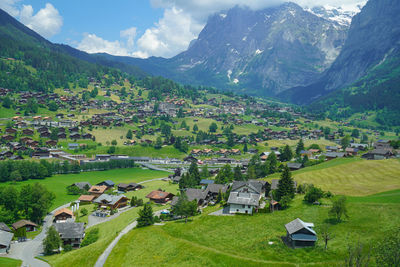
point(170, 35)
point(47, 21)
point(130, 35)
point(91, 43)
point(182, 21)
point(9, 7)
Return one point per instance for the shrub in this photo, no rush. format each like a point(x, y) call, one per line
point(313, 195)
point(91, 236)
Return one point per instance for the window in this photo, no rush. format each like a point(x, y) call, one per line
point(243, 206)
point(248, 206)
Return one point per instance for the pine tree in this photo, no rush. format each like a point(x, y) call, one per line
point(285, 185)
point(245, 149)
point(287, 154)
point(129, 134)
point(146, 217)
point(273, 162)
point(194, 172)
point(237, 175)
point(299, 148)
point(52, 242)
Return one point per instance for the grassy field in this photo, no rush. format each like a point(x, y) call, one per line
point(58, 183)
point(244, 240)
point(87, 256)
point(8, 262)
point(353, 177)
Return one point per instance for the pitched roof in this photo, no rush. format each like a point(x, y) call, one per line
point(86, 198)
point(254, 185)
point(294, 165)
point(70, 230)
point(64, 210)
point(157, 194)
point(205, 181)
point(81, 185)
point(22, 223)
point(98, 189)
point(215, 188)
point(195, 194)
point(4, 227)
point(107, 182)
point(5, 238)
point(109, 199)
point(244, 198)
point(297, 224)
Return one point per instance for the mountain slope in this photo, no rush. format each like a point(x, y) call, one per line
point(54, 65)
point(260, 52)
point(373, 38)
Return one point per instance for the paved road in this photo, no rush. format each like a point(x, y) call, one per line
point(28, 250)
point(103, 257)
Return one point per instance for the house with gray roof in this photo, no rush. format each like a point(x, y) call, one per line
point(5, 240)
point(300, 234)
point(111, 201)
point(82, 185)
point(71, 233)
point(245, 196)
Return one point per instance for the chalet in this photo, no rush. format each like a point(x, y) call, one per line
point(300, 234)
point(10, 130)
point(87, 136)
point(51, 143)
point(108, 183)
point(160, 196)
point(382, 144)
point(351, 151)
point(97, 191)
point(28, 225)
point(5, 240)
point(378, 154)
point(71, 233)
point(62, 135)
point(7, 137)
point(28, 132)
point(45, 134)
point(41, 152)
point(86, 198)
point(193, 194)
point(225, 160)
point(214, 189)
point(111, 201)
point(129, 187)
point(334, 155)
point(332, 148)
point(359, 146)
point(244, 197)
point(6, 154)
point(74, 136)
point(62, 215)
point(32, 143)
point(82, 185)
point(294, 166)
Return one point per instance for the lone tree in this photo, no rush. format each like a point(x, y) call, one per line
point(146, 217)
point(184, 207)
point(339, 208)
point(326, 234)
point(285, 185)
point(300, 147)
point(52, 242)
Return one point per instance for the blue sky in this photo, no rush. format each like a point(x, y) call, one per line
point(139, 28)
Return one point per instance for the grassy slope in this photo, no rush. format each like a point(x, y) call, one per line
point(58, 183)
point(243, 240)
point(8, 262)
point(353, 176)
point(87, 256)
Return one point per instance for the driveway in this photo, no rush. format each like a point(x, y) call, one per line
point(28, 250)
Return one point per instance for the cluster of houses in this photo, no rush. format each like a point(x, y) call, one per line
point(210, 152)
point(7, 234)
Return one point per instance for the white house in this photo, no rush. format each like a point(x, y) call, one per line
point(245, 196)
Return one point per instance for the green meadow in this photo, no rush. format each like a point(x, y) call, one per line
point(8, 262)
point(58, 183)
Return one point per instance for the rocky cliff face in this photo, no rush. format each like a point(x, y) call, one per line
point(266, 51)
point(373, 38)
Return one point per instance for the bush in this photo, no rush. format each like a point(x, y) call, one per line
point(67, 248)
point(91, 236)
point(157, 219)
point(313, 195)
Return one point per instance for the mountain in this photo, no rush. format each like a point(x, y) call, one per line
point(261, 52)
point(337, 14)
point(373, 39)
point(54, 65)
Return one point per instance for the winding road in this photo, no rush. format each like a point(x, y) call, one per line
point(28, 250)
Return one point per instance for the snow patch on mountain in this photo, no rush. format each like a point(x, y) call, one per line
point(340, 14)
